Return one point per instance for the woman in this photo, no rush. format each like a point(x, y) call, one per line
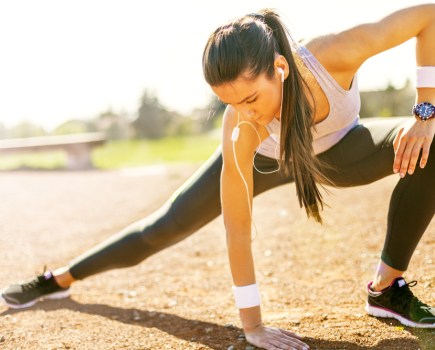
point(250, 63)
point(292, 115)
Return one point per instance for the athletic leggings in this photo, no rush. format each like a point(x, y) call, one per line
point(364, 155)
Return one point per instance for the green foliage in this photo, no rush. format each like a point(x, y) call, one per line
point(116, 126)
point(123, 153)
point(153, 119)
point(26, 129)
point(73, 127)
point(212, 115)
point(129, 153)
point(33, 160)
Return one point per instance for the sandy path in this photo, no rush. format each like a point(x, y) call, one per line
point(312, 277)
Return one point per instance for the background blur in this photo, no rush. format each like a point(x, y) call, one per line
point(132, 69)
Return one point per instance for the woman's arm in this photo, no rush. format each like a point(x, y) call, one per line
point(236, 199)
point(342, 54)
point(418, 135)
point(346, 51)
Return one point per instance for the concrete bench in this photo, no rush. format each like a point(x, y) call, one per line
point(77, 147)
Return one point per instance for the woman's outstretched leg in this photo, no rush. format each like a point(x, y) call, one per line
point(192, 206)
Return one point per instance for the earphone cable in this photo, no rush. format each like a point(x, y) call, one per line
point(253, 161)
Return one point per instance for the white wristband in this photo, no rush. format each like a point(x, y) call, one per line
point(246, 296)
point(425, 77)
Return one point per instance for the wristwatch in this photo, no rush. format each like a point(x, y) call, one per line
point(424, 111)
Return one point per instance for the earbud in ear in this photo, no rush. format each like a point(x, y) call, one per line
point(281, 71)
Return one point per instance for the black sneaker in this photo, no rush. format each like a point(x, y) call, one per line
point(397, 301)
point(18, 296)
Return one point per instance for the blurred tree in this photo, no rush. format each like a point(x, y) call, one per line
point(115, 125)
point(181, 125)
point(4, 133)
point(216, 110)
point(210, 117)
point(153, 119)
point(74, 126)
point(26, 129)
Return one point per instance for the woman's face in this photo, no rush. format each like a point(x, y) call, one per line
point(257, 99)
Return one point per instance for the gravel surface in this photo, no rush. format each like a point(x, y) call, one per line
point(312, 277)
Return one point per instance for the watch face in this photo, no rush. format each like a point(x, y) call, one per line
point(425, 110)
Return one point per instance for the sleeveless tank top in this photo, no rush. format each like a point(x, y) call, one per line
point(344, 107)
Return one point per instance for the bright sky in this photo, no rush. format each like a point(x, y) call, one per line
point(75, 59)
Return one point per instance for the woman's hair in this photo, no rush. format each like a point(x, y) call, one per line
point(249, 46)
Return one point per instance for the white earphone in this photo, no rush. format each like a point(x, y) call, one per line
point(236, 132)
point(281, 71)
point(235, 136)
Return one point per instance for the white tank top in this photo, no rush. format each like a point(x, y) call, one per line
point(344, 107)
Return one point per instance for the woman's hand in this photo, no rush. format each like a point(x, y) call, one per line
point(415, 137)
point(274, 338)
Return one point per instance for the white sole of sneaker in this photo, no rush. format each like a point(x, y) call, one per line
point(383, 313)
point(57, 295)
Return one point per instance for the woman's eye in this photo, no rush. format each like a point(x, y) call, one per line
point(252, 101)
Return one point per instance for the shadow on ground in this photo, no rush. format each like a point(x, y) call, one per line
point(217, 335)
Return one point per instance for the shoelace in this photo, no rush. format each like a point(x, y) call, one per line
point(404, 299)
point(34, 284)
point(37, 282)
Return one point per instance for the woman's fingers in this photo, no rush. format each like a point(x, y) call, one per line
point(408, 153)
point(290, 334)
point(399, 147)
point(411, 142)
point(415, 153)
point(397, 140)
point(403, 156)
point(425, 153)
point(275, 338)
point(282, 343)
point(284, 339)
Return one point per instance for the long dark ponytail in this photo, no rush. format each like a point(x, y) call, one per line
point(250, 44)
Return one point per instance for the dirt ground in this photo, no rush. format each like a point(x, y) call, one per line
point(312, 277)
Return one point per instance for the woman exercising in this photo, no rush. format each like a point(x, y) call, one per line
point(292, 116)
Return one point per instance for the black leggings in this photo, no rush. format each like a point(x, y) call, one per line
point(364, 155)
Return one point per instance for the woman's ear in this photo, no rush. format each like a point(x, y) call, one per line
point(281, 67)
